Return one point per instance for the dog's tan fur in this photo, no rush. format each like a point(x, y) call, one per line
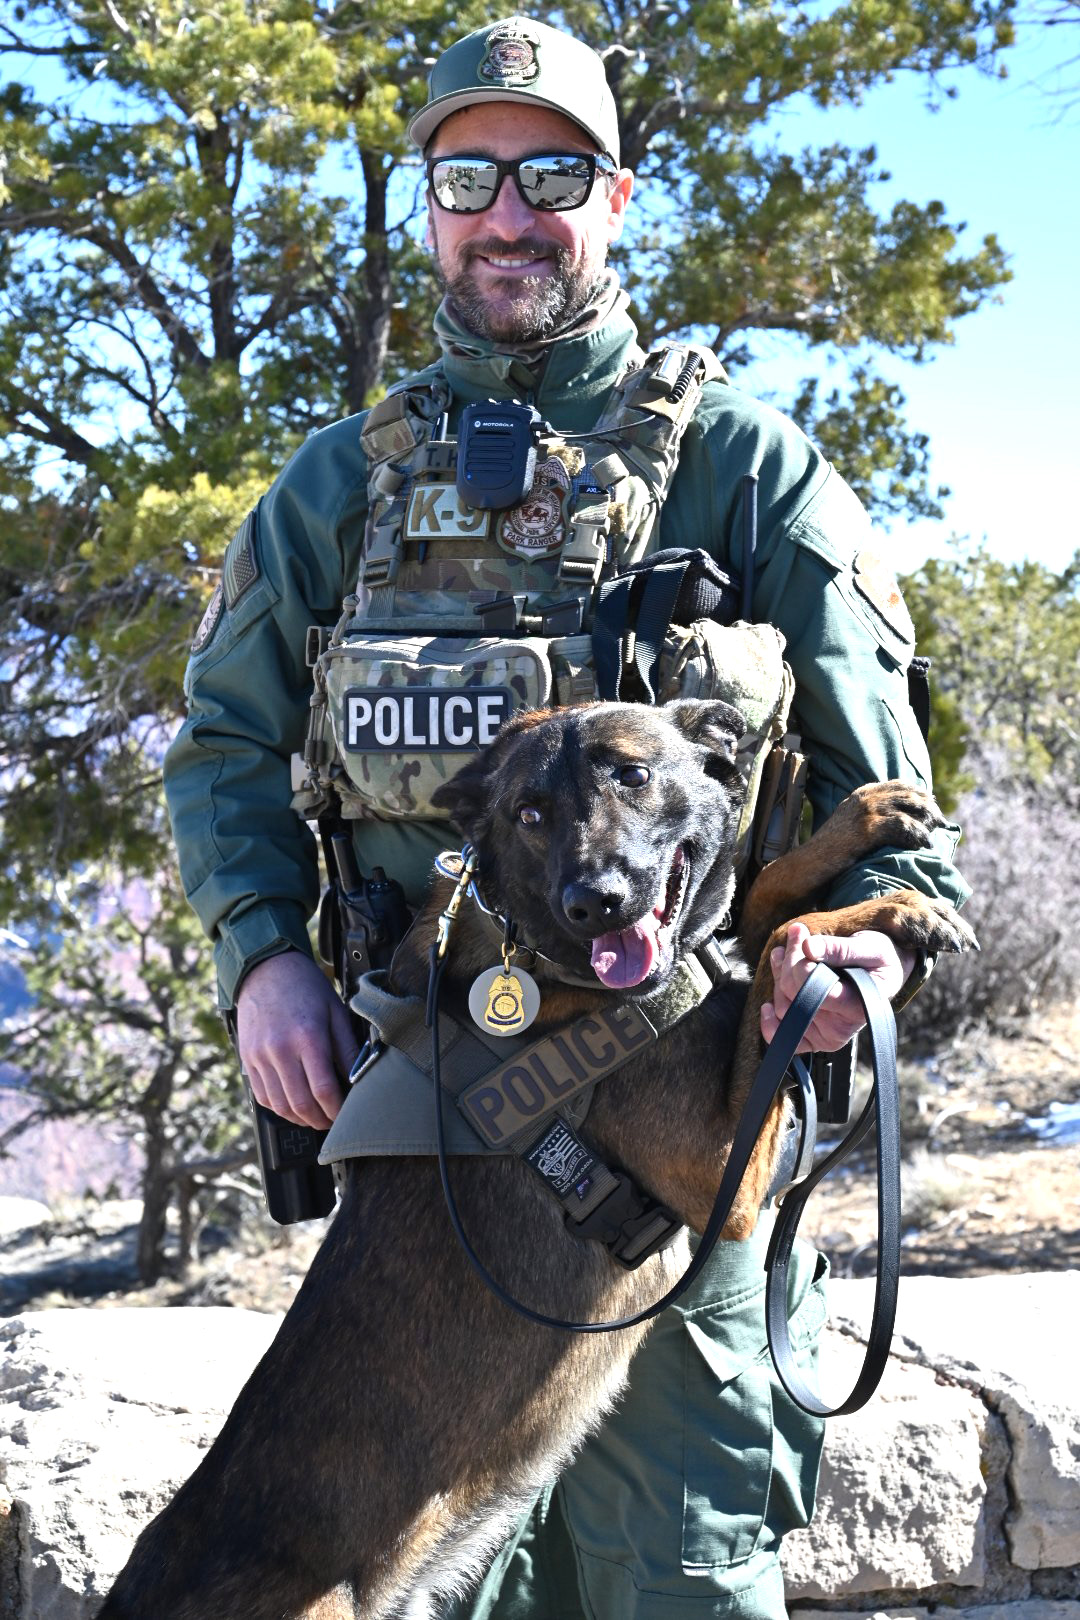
point(403, 1418)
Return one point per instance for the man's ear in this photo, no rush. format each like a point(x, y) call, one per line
point(708, 722)
point(618, 202)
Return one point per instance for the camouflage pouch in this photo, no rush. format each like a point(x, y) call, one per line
point(741, 664)
point(406, 713)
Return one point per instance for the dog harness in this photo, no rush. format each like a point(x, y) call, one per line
point(517, 1095)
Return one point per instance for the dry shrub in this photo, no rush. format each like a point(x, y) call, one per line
point(932, 1186)
point(1021, 855)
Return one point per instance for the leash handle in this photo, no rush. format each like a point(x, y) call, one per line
point(884, 1106)
point(771, 1076)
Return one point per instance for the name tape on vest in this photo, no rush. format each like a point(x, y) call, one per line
point(552, 1071)
point(423, 719)
point(437, 512)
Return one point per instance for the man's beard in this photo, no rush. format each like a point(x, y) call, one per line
point(539, 307)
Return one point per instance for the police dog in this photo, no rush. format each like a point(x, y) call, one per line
point(404, 1418)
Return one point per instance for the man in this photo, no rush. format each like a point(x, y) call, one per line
point(679, 1504)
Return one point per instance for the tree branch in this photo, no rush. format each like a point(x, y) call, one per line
point(52, 430)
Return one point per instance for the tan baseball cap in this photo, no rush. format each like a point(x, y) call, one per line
point(518, 59)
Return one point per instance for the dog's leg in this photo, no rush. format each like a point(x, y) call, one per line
point(879, 816)
point(909, 918)
point(400, 1404)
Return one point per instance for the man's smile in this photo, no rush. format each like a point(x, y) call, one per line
point(513, 264)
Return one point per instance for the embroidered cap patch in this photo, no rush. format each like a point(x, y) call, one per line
point(511, 53)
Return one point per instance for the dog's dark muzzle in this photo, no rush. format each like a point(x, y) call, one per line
point(597, 905)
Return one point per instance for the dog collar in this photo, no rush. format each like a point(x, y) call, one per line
point(711, 955)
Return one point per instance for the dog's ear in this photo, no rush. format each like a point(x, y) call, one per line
point(468, 792)
point(467, 796)
point(707, 721)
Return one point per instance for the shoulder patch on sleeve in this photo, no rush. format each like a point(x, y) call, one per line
point(241, 567)
point(876, 582)
point(208, 622)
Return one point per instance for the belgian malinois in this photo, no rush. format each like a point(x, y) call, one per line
point(403, 1418)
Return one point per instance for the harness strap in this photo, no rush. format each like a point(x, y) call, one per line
point(769, 1080)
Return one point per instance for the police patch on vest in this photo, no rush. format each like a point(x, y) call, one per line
point(550, 1072)
point(422, 719)
point(538, 526)
point(511, 52)
point(209, 620)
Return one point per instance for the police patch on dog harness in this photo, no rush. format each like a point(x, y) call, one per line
point(553, 1071)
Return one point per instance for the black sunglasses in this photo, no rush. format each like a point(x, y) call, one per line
point(551, 182)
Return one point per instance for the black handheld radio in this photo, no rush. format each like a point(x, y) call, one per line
point(496, 461)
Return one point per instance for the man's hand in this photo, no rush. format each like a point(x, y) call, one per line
point(840, 1015)
point(295, 1039)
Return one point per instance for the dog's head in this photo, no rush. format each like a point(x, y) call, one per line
point(607, 831)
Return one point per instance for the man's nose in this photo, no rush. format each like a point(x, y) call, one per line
point(510, 214)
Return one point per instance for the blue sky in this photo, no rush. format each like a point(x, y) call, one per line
point(1001, 405)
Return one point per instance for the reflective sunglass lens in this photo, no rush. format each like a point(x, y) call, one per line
point(464, 187)
point(555, 182)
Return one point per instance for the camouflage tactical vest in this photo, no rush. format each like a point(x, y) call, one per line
point(462, 616)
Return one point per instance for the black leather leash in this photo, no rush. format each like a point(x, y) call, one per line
point(770, 1078)
point(883, 1105)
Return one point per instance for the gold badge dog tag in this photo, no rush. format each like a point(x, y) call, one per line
point(504, 1000)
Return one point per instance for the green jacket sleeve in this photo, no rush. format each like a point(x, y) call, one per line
point(822, 577)
point(247, 861)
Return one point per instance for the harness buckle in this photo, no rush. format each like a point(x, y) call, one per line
point(629, 1223)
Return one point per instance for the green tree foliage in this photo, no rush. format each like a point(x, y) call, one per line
point(209, 247)
point(1005, 742)
point(1005, 641)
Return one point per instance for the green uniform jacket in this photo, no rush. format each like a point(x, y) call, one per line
point(248, 862)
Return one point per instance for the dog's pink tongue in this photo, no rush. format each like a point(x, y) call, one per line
point(625, 958)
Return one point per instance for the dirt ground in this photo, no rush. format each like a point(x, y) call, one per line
point(982, 1193)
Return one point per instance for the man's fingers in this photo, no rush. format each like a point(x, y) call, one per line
point(266, 1089)
point(296, 1079)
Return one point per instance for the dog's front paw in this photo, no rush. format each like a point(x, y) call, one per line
point(912, 919)
point(946, 930)
point(888, 813)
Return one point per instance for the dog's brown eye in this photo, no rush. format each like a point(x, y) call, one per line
point(530, 816)
point(634, 775)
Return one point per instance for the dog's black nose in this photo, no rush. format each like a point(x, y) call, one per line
point(594, 906)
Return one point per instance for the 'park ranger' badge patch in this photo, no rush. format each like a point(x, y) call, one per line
point(876, 582)
point(538, 526)
point(510, 57)
point(208, 622)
